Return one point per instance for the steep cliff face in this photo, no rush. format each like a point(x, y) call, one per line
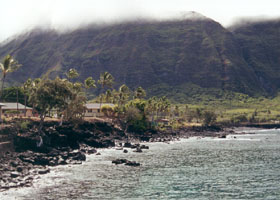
point(260, 44)
point(184, 52)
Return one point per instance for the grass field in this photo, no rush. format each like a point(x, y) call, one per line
point(248, 109)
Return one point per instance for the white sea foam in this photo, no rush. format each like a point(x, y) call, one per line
point(177, 170)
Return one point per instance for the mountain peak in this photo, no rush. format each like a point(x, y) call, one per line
point(193, 15)
point(154, 54)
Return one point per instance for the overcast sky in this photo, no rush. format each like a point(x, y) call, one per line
point(17, 16)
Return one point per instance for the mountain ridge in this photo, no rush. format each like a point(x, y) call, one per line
point(173, 52)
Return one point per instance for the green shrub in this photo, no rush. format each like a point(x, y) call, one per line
point(24, 125)
point(107, 110)
point(136, 120)
point(239, 119)
point(209, 118)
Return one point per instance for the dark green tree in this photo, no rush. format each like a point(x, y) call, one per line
point(49, 94)
point(9, 65)
point(12, 94)
point(209, 118)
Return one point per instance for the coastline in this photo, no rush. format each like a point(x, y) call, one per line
point(68, 144)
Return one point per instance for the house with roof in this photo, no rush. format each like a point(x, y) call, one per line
point(94, 109)
point(10, 109)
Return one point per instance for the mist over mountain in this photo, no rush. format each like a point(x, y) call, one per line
point(174, 57)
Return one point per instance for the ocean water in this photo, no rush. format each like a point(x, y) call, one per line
point(245, 167)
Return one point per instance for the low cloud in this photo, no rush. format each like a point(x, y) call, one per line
point(246, 21)
point(19, 16)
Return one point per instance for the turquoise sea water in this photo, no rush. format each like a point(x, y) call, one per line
point(245, 167)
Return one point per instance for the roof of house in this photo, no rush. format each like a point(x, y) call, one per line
point(13, 106)
point(97, 105)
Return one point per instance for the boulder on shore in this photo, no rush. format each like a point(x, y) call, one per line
point(138, 150)
point(126, 162)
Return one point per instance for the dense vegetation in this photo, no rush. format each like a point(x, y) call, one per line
point(132, 110)
point(67, 98)
point(198, 65)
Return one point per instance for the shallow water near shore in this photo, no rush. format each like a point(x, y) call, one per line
point(238, 167)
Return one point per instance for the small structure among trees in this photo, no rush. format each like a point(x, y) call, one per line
point(16, 109)
point(94, 109)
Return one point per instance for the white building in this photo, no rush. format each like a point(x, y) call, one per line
point(94, 109)
point(10, 109)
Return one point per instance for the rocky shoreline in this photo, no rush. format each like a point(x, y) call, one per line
point(69, 144)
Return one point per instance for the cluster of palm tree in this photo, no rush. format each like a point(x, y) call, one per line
point(158, 107)
point(134, 111)
point(106, 80)
point(64, 95)
point(130, 106)
point(122, 95)
point(68, 95)
point(71, 98)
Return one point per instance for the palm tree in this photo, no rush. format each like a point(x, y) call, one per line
point(89, 83)
point(152, 106)
point(26, 87)
point(108, 96)
point(164, 106)
point(124, 93)
point(115, 96)
point(106, 80)
point(31, 88)
point(9, 65)
point(72, 73)
point(139, 93)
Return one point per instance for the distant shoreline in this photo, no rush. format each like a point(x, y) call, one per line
point(68, 144)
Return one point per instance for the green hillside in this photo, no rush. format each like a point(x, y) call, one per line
point(182, 59)
point(260, 44)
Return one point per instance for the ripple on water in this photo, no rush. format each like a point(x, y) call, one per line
point(243, 168)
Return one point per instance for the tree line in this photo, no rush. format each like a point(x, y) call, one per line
point(132, 110)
